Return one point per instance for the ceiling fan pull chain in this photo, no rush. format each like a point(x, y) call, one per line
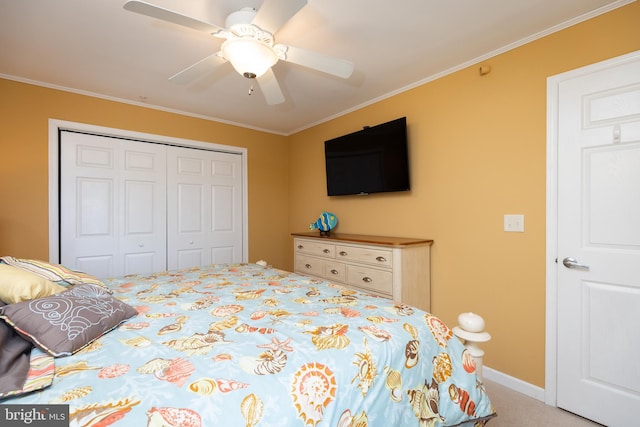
point(251, 87)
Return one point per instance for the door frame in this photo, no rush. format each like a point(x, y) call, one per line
point(55, 126)
point(551, 345)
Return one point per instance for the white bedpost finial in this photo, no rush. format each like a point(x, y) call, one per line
point(470, 331)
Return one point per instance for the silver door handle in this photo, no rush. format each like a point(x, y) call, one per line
point(572, 263)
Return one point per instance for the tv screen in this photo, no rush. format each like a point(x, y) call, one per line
point(372, 160)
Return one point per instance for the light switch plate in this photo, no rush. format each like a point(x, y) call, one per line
point(514, 223)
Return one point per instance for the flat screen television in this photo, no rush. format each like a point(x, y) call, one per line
point(372, 160)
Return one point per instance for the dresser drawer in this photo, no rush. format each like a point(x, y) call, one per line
point(310, 265)
point(335, 271)
point(377, 257)
point(311, 247)
point(371, 279)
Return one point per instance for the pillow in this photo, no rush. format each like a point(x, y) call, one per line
point(52, 272)
point(63, 323)
point(18, 285)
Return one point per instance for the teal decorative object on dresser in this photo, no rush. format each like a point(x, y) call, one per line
point(325, 223)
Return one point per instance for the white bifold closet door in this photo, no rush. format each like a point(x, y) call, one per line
point(204, 207)
point(112, 205)
point(131, 207)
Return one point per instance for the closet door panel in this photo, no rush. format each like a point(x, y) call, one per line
point(222, 208)
point(95, 226)
point(187, 204)
point(223, 255)
point(190, 208)
point(204, 207)
point(226, 208)
point(88, 197)
point(189, 242)
point(187, 258)
point(94, 205)
point(113, 205)
point(143, 242)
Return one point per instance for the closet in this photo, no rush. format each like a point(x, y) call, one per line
point(129, 206)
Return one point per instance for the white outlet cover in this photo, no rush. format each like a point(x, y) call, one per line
point(514, 223)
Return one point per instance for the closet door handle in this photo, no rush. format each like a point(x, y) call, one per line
point(573, 263)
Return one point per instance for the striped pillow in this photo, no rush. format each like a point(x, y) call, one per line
point(18, 285)
point(53, 272)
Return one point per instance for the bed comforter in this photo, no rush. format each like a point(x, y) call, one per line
point(247, 345)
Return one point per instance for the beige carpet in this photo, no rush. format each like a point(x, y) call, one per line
point(518, 410)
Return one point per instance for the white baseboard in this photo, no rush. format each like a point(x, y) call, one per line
point(513, 383)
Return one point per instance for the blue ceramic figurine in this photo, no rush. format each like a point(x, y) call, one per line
point(325, 223)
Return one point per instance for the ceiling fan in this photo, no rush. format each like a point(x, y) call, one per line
point(249, 44)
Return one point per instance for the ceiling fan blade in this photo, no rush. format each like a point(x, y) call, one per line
point(270, 88)
point(199, 68)
point(273, 14)
point(167, 15)
point(318, 61)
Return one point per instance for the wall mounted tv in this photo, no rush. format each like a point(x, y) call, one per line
point(372, 160)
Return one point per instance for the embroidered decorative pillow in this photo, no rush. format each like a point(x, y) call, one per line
point(53, 272)
point(18, 285)
point(64, 323)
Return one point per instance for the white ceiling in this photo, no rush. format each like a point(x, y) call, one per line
point(96, 47)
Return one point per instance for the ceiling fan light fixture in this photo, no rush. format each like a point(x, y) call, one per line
point(243, 16)
point(249, 57)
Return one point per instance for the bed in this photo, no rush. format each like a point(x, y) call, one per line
point(234, 345)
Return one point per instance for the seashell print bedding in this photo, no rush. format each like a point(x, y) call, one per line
point(247, 345)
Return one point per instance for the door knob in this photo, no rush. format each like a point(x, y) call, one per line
point(572, 263)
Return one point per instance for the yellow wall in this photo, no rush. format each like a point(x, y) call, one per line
point(24, 114)
point(478, 151)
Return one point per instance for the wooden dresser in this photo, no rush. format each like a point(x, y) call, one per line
point(393, 267)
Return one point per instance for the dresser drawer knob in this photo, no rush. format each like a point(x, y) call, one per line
point(308, 265)
point(300, 247)
point(326, 251)
point(381, 259)
point(367, 279)
point(334, 272)
point(343, 253)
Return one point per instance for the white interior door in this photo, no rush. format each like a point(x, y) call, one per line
point(204, 208)
point(113, 205)
point(598, 247)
